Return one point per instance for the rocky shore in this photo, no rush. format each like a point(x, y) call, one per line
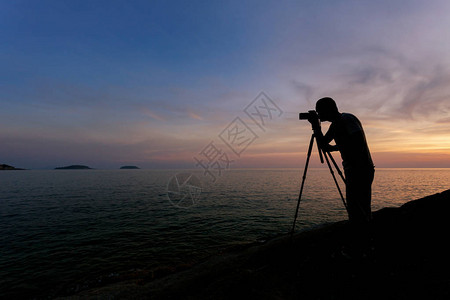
point(408, 257)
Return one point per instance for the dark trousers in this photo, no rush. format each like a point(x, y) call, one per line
point(359, 194)
point(359, 198)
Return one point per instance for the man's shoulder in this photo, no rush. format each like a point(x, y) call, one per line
point(348, 116)
point(351, 122)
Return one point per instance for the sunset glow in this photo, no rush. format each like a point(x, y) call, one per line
point(152, 83)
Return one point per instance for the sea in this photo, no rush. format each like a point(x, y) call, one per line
point(62, 231)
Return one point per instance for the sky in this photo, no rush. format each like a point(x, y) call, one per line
point(165, 84)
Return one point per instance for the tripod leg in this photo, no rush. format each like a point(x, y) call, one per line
point(319, 150)
point(334, 177)
point(336, 166)
point(303, 182)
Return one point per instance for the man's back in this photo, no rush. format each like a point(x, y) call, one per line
point(349, 136)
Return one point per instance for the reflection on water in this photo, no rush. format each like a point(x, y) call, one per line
point(60, 227)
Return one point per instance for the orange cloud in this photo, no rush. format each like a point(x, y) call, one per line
point(194, 116)
point(150, 113)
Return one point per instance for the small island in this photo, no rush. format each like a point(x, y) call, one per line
point(129, 168)
point(8, 167)
point(74, 167)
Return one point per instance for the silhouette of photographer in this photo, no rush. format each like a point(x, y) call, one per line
point(348, 134)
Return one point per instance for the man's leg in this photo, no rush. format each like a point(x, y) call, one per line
point(358, 192)
point(359, 195)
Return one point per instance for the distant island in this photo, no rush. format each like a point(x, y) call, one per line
point(129, 168)
point(74, 167)
point(8, 167)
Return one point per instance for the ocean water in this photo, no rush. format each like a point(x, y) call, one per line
point(62, 229)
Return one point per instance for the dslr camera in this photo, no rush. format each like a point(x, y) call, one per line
point(310, 115)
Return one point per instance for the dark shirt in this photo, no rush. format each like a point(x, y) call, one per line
point(350, 139)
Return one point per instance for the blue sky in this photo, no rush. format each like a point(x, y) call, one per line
point(108, 83)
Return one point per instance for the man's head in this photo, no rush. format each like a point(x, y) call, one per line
point(327, 109)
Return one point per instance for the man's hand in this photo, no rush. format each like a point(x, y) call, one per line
point(314, 120)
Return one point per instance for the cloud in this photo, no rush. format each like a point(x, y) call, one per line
point(152, 114)
point(303, 90)
point(384, 84)
point(194, 116)
point(429, 96)
point(443, 121)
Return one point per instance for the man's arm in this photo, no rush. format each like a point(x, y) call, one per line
point(323, 140)
point(329, 136)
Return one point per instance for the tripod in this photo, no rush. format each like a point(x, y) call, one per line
point(328, 157)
